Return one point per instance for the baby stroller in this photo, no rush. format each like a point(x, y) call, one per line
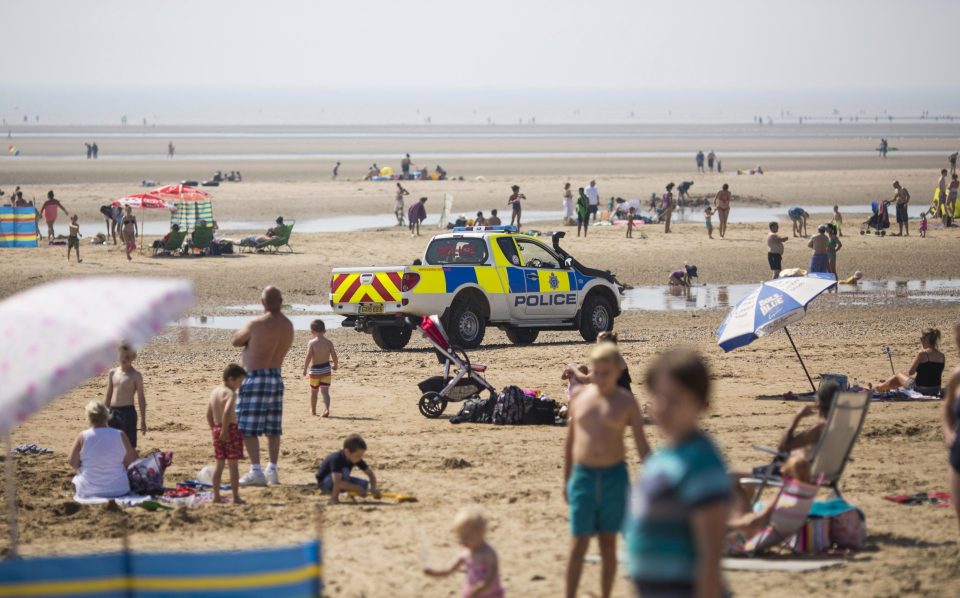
point(461, 380)
point(879, 222)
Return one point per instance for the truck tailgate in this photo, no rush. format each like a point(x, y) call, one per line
point(374, 285)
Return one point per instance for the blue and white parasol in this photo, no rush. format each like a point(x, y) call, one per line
point(774, 305)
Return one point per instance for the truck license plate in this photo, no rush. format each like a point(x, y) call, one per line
point(371, 308)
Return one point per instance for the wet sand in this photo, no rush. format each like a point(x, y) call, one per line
point(514, 473)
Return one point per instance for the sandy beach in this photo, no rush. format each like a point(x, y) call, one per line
point(515, 474)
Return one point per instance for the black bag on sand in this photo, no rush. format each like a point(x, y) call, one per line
point(476, 411)
point(539, 412)
point(221, 248)
point(509, 408)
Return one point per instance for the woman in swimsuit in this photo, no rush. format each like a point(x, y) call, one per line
point(128, 232)
point(666, 204)
point(926, 372)
point(722, 202)
point(951, 427)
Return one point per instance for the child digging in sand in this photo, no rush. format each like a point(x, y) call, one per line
point(594, 468)
point(321, 361)
point(679, 506)
point(479, 559)
point(334, 477)
point(227, 440)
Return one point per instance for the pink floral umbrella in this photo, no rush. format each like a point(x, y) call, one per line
point(55, 336)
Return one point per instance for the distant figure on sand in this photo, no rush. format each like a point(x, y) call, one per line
point(901, 198)
point(405, 164)
point(594, 468)
point(398, 207)
point(567, 203)
point(128, 231)
point(700, 161)
point(775, 249)
point(321, 362)
point(593, 201)
point(583, 213)
point(265, 341)
point(494, 219)
point(798, 217)
point(838, 220)
point(708, 220)
point(49, 210)
point(227, 439)
point(170, 150)
point(415, 215)
point(666, 205)
point(722, 202)
point(820, 260)
point(336, 170)
point(710, 159)
point(923, 225)
point(478, 560)
point(73, 238)
point(833, 246)
point(682, 276)
point(514, 202)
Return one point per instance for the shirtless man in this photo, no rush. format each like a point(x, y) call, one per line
point(775, 249)
point(265, 341)
point(722, 203)
point(594, 468)
point(398, 204)
point(902, 198)
point(820, 260)
point(123, 383)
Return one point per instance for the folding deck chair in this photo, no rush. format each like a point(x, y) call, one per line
point(790, 510)
point(173, 244)
point(830, 456)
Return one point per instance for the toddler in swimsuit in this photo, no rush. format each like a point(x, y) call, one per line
point(321, 361)
point(479, 560)
point(227, 439)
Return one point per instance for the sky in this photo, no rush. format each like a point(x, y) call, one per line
point(512, 46)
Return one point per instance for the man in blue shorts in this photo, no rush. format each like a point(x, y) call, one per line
point(265, 340)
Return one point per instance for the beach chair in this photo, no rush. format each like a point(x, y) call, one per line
point(830, 455)
point(281, 240)
point(789, 514)
point(173, 244)
point(201, 238)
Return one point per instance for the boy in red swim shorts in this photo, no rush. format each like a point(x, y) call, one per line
point(227, 439)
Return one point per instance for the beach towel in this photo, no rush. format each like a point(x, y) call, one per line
point(902, 394)
point(937, 499)
point(790, 565)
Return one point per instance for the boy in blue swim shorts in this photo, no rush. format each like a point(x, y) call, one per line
point(594, 467)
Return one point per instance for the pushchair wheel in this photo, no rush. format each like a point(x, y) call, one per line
point(432, 405)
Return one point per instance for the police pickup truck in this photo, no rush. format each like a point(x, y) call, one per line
point(474, 277)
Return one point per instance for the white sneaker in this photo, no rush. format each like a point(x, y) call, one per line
point(273, 477)
point(253, 478)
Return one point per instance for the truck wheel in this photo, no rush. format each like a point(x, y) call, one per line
point(522, 336)
point(596, 317)
point(391, 338)
point(466, 324)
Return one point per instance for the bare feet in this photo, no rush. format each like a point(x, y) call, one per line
point(326, 413)
point(333, 501)
point(239, 501)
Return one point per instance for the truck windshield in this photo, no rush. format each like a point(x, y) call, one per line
point(457, 250)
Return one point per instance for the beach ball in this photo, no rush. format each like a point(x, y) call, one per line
point(386, 171)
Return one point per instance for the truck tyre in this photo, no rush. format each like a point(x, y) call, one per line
point(391, 338)
point(466, 324)
point(522, 336)
point(596, 316)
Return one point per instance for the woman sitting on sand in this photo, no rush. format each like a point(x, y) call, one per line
point(926, 372)
point(100, 456)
